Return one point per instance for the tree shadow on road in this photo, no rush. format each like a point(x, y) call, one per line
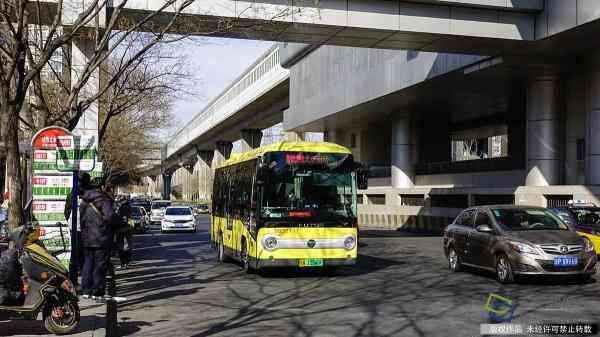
point(88, 323)
point(365, 264)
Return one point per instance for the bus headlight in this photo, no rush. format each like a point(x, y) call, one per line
point(270, 242)
point(349, 242)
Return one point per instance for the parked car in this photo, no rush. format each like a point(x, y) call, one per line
point(517, 240)
point(584, 218)
point(202, 209)
point(142, 203)
point(157, 210)
point(140, 218)
point(178, 218)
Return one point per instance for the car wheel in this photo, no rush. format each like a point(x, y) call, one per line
point(245, 258)
point(454, 261)
point(504, 272)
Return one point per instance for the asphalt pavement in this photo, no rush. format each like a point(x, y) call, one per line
point(400, 287)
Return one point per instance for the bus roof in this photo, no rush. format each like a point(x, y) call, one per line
point(286, 146)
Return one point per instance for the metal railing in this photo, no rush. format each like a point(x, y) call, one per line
point(266, 64)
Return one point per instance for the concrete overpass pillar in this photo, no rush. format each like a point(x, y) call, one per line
point(336, 136)
point(205, 178)
point(222, 153)
point(166, 180)
point(592, 139)
point(82, 50)
point(251, 139)
point(223, 150)
point(402, 166)
point(543, 132)
point(293, 136)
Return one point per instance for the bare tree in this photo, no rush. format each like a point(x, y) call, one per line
point(136, 108)
point(32, 35)
point(26, 50)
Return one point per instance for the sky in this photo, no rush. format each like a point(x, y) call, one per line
point(215, 63)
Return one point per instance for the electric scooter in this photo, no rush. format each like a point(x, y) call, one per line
point(46, 286)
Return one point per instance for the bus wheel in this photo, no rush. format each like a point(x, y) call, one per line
point(245, 258)
point(221, 250)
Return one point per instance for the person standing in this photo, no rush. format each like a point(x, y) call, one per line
point(84, 184)
point(125, 234)
point(97, 222)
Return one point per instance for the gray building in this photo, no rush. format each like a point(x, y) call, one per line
point(450, 103)
point(442, 132)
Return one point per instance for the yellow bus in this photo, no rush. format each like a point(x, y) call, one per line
point(288, 204)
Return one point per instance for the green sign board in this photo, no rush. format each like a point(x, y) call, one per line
point(75, 153)
point(51, 187)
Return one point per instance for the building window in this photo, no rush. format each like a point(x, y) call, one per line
point(492, 199)
point(480, 143)
point(352, 140)
point(558, 200)
point(450, 200)
point(580, 149)
point(376, 199)
point(412, 200)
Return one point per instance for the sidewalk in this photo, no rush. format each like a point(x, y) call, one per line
point(92, 324)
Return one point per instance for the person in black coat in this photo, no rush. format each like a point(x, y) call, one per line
point(10, 278)
point(97, 218)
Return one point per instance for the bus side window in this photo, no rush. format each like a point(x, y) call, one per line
point(246, 188)
point(234, 203)
point(216, 195)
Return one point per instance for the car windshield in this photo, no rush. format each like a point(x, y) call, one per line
point(158, 205)
point(136, 211)
point(587, 216)
point(309, 185)
point(524, 219)
point(178, 211)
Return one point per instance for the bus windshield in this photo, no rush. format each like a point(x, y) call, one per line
point(306, 185)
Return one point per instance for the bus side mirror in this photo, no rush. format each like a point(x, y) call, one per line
point(362, 178)
point(261, 175)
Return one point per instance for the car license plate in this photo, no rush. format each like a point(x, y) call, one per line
point(565, 261)
point(311, 263)
point(178, 225)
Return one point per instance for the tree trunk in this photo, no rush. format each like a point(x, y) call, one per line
point(13, 168)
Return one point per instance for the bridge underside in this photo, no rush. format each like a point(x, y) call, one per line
point(264, 112)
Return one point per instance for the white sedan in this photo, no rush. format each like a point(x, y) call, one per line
point(178, 218)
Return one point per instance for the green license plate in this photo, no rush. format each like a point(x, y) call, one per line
point(311, 263)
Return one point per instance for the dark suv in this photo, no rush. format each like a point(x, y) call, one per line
point(517, 240)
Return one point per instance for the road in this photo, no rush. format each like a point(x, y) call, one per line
point(401, 287)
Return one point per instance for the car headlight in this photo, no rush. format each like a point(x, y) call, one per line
point(167, 223)
point(523, 248)
point(270, 242)
point(349, 242)
point(589, 246)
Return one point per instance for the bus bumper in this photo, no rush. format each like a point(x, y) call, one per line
point(273, 263)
